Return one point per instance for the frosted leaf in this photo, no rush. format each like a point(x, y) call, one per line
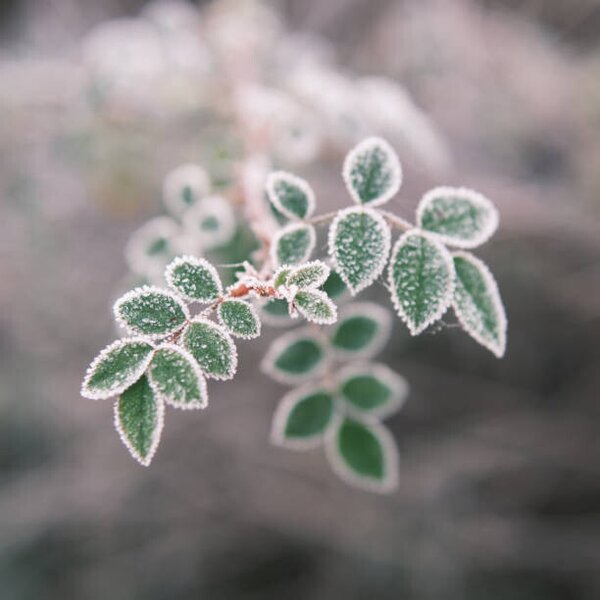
point(310, 275)
point(359, 244)
point(334, 286)
point(292, 196)
point(421, 279)
point(316, 307)
point(364, 455)
point(176, 377)
point(184, 187)
point(117, 367)
point(212, 347)
point(295, 357)
point(362, 330)
point(239, 318)
point(458, 216)
point(477, 303)
point(372, 389)
point(194, 278)
point(275, 312)
point(151, 311)
point(372, 172)
point(139, 419)
point(281, 275)
point(302, 418)
point(212, 222)
point(293, 244)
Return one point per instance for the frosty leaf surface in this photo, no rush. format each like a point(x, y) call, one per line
point(460, 217)
point(281, 275)
point(477, 303)
point(239, 318)
point(150, 311)
point(421, 279)
point(184, 187)
point(372, 172)
point(117, 367)
point(359, 244)
point(195, 279)
point(211, 223)
point(361, 330)
point(176, 377)
point(293, 244)
point(212, 347)
point(309, 275)
point(292, 196)
point(139, 417)
point(316, 307)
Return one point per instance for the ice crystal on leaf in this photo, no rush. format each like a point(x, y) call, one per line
point(195, 279)
point(290, 195)
point(310, 275)
point(239, 318)
point(316, 307)
point(293, 244)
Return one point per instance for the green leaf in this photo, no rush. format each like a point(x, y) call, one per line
point(334, 287)
point(372, 389)
point(290, 195)
point(293, 244)
point(458, 216)
point(117, 367)
point(421, 279)
point(151, 311)
point(175, 376)
point(195, 279)
point(364, 455)
point(276, 312)
point(316, 307)
point(359, 244)
point(296, 356)
point(372, 172)
point(139, 419)
point(212, 347)
point(281, 275)
point(302, 418)
point(309, 275)
point(477, 303)
point(239, 318)
point(362, 329)
point(211, 223)
point(184, 187)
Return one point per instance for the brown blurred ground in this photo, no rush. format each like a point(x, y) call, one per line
point(500, 480)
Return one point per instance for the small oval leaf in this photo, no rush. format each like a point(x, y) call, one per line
point(292, 196)
point(239, 318)
point(316, 307)
point(309, 275)
point(184, 187)
point(195, 279)
point(293, 244)
point(334, 286)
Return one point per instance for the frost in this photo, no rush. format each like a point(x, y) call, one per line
point(457, 216)
point(151, 311)
point(477, 303)
point(293, 244)
point(421, 279)
point(195, 279)
point(310, 275)
point(211, 223)
point(184, 187)
point(316, 307)
point(281, 275)
point(372, 172)
point(290, 195)
point(276, 313)
point(239, 318)
point(359, 245)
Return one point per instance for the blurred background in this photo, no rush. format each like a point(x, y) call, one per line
point(499, 492)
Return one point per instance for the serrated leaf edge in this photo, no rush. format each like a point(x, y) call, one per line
point(254, 314)
point(323, 296)
point(276, 176)
point(196, 262)
point(288, 229)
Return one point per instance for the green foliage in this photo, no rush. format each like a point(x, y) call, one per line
point(334, 286)
point(195, 279)
point(316, 307)
point(309, 275)
point(361, 330)
point(239, 319)
point(291, 196)
point(293, 244)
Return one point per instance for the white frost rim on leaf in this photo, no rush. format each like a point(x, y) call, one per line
point(252, 310)
point(316, 319)
point(369, 310)
point(283, 410)
point(492, 288)
point(187, 175)
point(477, 199)
point(282, 269)
point(444, 304)
point(218, 208)
point(268, 367)
point(201, 263)
point(396, 383)
point(156, 434)
point(230, 343)
point(391, 459)
point(392, 160)
point(293, 180)
point(274, 320)
point(312, 240)
point(142, 291)
point(117, 345)
point(318, 282)
point(387, 242)
point(203, 403)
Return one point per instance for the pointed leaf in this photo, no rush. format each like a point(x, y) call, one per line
point(302, 418)
point(309, 275)
point(195, 279)
point(212, 347)
point(477, 303)
point(116, 368)
point(184, 187)
point(176, 377)
point(372, 172)
point(421, 279)
point(293, 244)
point(139, 419)
point(290, 195)
point(316, 307)
point(281, 275)
point(458, 216)
point(364, 455)
point(239, 318)
point(359, 244)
